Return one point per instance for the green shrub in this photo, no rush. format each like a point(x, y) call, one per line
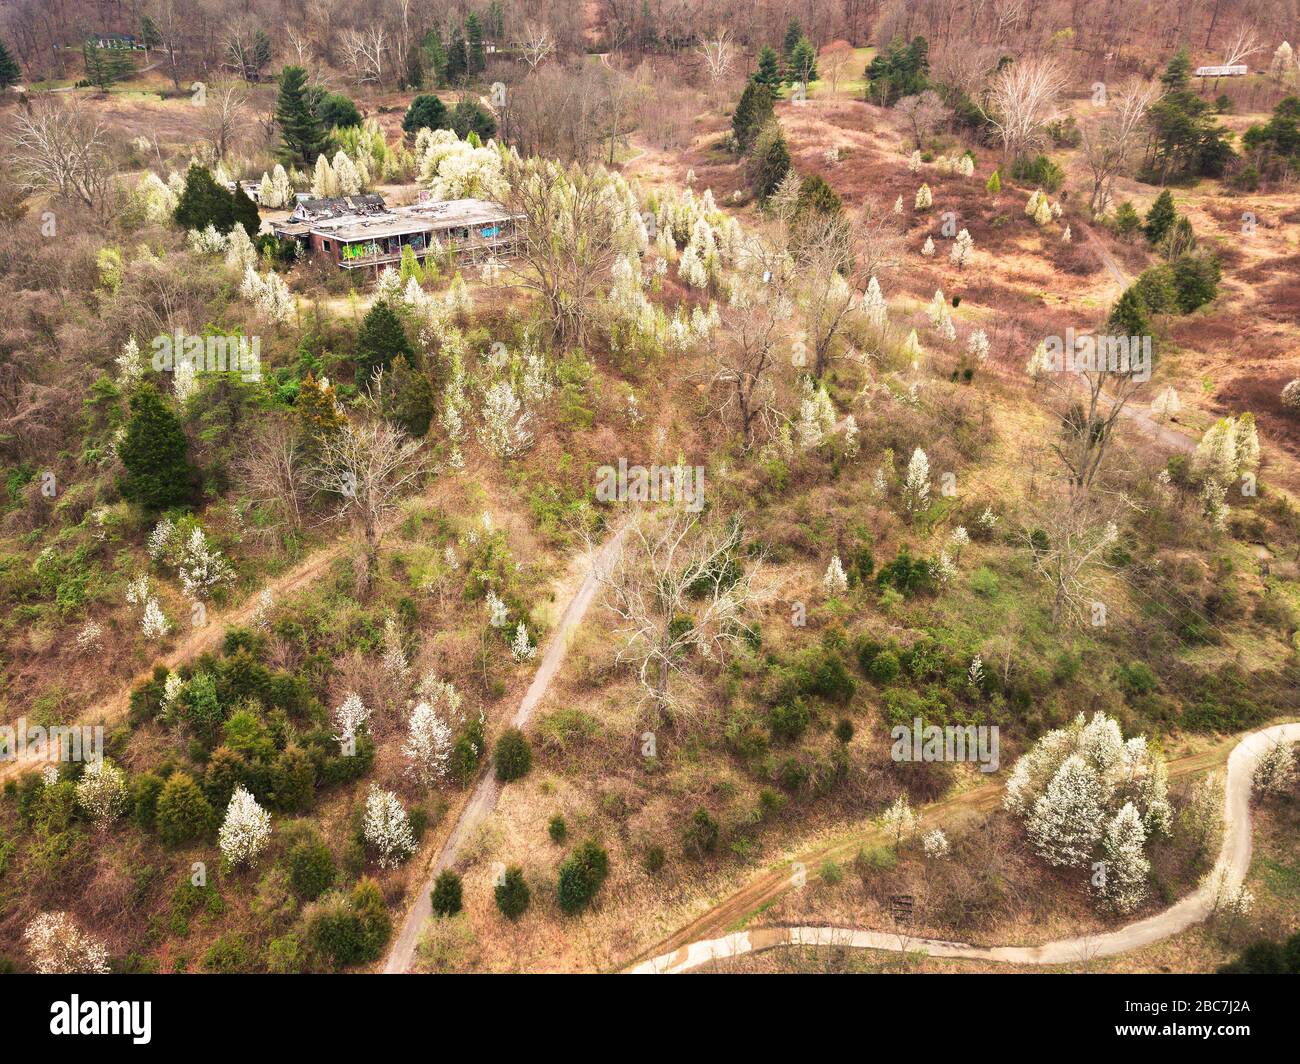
point(183, 813)
point(228, 955)
point(701, 834)
point(311, 868)
point(884, 667)
point(1040, 170)
point(654, 860)
point(513, 756)
point(512, 894)
point(557, 829)
point(446, 894)
point(581, 876)
point(789, 720)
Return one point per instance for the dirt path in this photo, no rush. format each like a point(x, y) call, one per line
point(1232, 865)
point(194, 642)
point(487, 791)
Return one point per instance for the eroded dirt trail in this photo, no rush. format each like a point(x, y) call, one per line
point(487, 791)
point(1230, 869)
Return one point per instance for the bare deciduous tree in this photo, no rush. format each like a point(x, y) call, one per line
point(570, 230)
point(537, 44)
point(368, 465)
point(273, 474)
point(1069, 542)
point(61, 150)
point(680, 591)
point(718, 55)
point(1021, 101)
point(834, 61)
point(223, 116)
point(743, 351)
point(365, 53)
point(1109, 142)
point(924, 113)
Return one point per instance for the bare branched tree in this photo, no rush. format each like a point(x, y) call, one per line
point(223, 116)
point(368, 466)
point(744, 351)
point(1242, 43)
point(365, 53)
point(273, 474)
point(924, 113)
point(680, 591)
point(1109, 142)
point(537, 44)
point(61, 150)
point(1023, 98)
point(1069, 541)
point(718, 54)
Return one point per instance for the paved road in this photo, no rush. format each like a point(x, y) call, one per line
point(1230, 868)
point(486, 793)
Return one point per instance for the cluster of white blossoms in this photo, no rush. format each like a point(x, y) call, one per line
point(344, 176)
point(1166, 405)
point(429, 732)
point(873, 304)
point(208, 241)
point(924, 199)
point(497, 611)
point(157, 199)
point(240, 253)
point(202, 568)
point(521, 649)
point(101, 792)
point(246, 829)
point(1228, 451)
point(961, 249)
point(387, 827)
point(269, 295)
point(816, 416)
point(1038, 208)
point(836, 582)
point(935, 844)
point(916, 484)
point(451, 168)
point(153, 622)
point(57, 946)
point(1085, 789)
point(275, 189)
point(506, 429)
point(350, 716)
point(977, 345)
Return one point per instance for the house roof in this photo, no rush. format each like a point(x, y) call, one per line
point(396, 221)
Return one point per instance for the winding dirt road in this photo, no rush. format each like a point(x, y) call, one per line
point(487, 792)
point(1229, 869)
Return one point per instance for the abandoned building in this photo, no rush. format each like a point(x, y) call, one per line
point(356, 232)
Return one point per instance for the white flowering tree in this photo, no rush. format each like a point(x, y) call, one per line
point(387, 827)
point(1275, 771)
point(934, 844)
point(1122, 881)
point(835, 581)
point(961, 249)
point(428, 745)
point(202, 568)
point(899, 820)
point(916, 484)
point(57, 946)
point(246, 829)
point(350, 716)
point(101, 792)
point(506, 430)
point(1084, 790)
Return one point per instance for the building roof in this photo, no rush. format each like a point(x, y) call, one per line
point(371, 224)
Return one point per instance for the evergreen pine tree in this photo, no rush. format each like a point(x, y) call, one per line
point(435, 57)
point(802, 65)
point(752, 113)
point(413, 75)
point(793, 34)
point(994, 184)
point(477, 58)
point(243, 211)
point(158, 472)
point(1160, 217)
point(512, 893)
point(302, 136)
point(769, 71)
point(203, 202)
point(770, 160)
point(457, 58)
point(426, 112)
point(381, 338)
point(9, 71)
